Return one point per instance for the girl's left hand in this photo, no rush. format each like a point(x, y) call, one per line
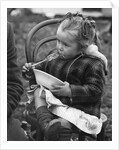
point(64, 90)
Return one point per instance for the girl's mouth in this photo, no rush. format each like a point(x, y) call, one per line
point(61, 55)
point(59, 52)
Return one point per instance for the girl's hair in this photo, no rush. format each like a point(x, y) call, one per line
point(83, 28)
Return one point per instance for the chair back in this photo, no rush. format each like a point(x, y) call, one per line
point(30, 55)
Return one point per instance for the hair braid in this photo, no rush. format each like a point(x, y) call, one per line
point(84, 28)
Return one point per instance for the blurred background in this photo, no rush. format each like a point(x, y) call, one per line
point(24, 19)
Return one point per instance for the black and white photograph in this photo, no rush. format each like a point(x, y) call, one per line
point(59, 75)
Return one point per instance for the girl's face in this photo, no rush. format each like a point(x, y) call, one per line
point(66, 44)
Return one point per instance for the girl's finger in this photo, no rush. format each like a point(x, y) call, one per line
point(54, 91)
point(24, 68)
point(56, 86)
point(28, 65)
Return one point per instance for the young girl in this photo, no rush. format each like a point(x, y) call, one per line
point(81, 67)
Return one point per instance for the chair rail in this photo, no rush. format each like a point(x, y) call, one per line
point(40, 43)
point(30, 35)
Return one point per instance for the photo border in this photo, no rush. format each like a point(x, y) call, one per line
point(3, 77)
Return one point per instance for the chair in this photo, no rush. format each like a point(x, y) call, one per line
point(30, 56)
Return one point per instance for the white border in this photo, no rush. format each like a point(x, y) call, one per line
point(57, 145)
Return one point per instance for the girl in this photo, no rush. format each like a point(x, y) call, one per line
point(81, 67)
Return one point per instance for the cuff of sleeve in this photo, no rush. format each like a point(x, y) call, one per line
point(73, 89)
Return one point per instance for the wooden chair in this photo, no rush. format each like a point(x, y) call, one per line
point(31, 55)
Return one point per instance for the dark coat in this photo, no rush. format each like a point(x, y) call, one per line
point(86, 75)
point(14, 84)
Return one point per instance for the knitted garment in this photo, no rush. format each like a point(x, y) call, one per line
point(86, 76)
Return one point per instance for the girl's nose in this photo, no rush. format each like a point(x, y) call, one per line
point(60, 47)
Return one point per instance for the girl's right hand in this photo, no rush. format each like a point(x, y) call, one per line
point(27, 66)
point(27, 71)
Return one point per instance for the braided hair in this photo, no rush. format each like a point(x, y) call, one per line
point(82, 28)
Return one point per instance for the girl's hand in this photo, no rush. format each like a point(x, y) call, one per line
point(27, 67)
point(27, 71)
point(64, 90)
point(39, 93)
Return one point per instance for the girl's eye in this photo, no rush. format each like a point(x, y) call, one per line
point(60, 42)
point(65, 44)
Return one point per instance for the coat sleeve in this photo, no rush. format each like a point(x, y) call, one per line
point(92, 88)
point(14, 84)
